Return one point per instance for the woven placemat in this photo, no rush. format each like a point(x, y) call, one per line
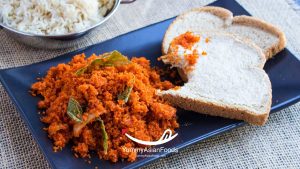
point(275, 145)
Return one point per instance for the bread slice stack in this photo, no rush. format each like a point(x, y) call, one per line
point(227, 79)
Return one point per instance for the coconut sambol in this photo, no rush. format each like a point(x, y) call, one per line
point(91, 102)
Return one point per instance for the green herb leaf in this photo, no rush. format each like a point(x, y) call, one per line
point(74, 110)
point(104, 135)
point(114, 58)
point(81, 71)
point(126, 93)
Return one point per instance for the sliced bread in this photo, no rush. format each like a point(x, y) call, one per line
point(266, 36)
point(228, 81)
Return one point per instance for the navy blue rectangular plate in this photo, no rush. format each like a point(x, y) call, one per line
point(283, 71)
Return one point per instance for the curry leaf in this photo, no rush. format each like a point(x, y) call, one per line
point(81, 71)
point(126, 93)
point(74, 110)
point(104, 135)
point(114, 58)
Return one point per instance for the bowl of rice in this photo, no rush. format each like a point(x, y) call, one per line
point(54, 24)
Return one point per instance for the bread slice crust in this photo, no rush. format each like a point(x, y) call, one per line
point(214, 109)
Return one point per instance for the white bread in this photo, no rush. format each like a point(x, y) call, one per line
point(266, 36)
point(229, 81)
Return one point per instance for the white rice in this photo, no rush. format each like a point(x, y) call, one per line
point(53, 17)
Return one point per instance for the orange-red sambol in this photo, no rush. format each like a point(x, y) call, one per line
point(89, 103)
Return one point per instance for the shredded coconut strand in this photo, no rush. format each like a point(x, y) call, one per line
point(53, 17)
